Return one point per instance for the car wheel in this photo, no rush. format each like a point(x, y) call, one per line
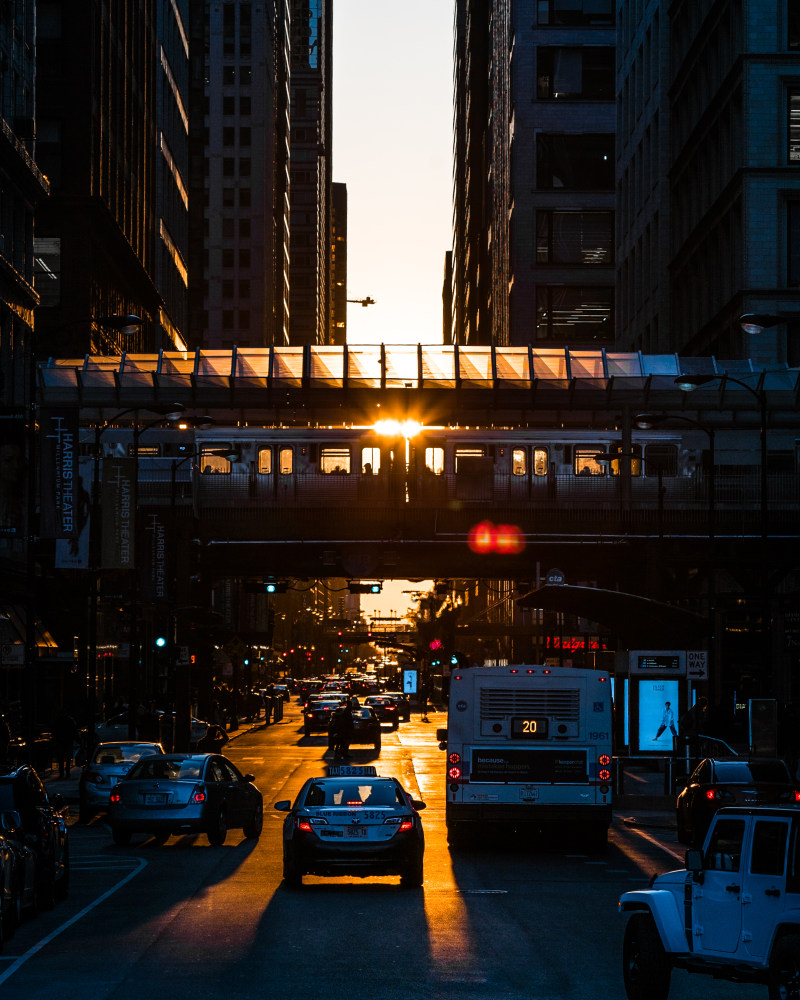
point(160, 836)
point(646, 969)
point(307, 730)
point(292, 875)
point(62, 884)
point(253, 829)
point(412, 877)
point(784, 969)
point(218, 831)
point(377, 744)
point(121, 837)
point(12, 914)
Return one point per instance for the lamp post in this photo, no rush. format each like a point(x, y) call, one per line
point(607, 457)
point(689, 382)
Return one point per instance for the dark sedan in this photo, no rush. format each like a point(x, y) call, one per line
point(384, 708)
point(366, 728)
point(38, 823)
point(735, 782)
point(185, 793)
point(317, 715)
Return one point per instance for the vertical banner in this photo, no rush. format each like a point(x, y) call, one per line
point(154, 552)
point(58, 459)
point(117, 493)
point(73, 553)
point(12, 474)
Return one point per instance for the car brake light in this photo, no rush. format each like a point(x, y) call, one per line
point(199, 795)
point(454, 773)
point(407, 824)
point(797, 796)
point(712, 793)
point(304, 825)
point(114, 797)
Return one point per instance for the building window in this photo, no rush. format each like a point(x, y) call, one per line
point(244, 319)
point(244, 258)
point(227, 319)
point(228, 166)
point(583, 162)
point(229, 105)
point(227, 228)
point(244, 197)
point(227, 289)
point(793, 244)
point(227, 258)
point(244, 288)
point(794, 126)
point(228, 74)
point(574, 237)
point(228, 136)
point(571, 12)
point(244, 105)
point(568, 314)
point(228, 197)
point(575, 73)
point(244, 135)
point(244, 228)
point(244, 166)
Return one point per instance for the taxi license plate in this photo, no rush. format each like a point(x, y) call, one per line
point(356, 831)
point(155, 800)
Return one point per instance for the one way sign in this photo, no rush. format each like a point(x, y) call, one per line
point(697, 664)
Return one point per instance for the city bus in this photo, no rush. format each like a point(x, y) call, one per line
point(529, 746)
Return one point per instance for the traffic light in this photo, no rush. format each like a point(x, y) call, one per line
point(365, 588)
point(161, 641)
point(276, 586)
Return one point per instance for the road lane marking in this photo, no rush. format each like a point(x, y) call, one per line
point(22, 959)
point(667, 850)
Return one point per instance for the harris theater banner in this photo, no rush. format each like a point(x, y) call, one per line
point(118, 501)
point(60, 482)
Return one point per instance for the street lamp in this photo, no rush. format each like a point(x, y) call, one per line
point(608, 457)
point(756, 323)
point(689, 382)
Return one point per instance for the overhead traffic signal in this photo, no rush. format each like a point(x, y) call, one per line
point(276, 586)
point(365, 588)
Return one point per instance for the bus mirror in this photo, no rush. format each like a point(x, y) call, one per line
point(441, 736)
point(442, 746)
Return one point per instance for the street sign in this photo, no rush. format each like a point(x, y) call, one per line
point(697, 664)
point(12, 654)
point(409, 681)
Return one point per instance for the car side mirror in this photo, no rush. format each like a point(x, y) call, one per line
point(284, 805)
point(250, 777)
point(694, 863)
point(441, 736)
point(417, 804)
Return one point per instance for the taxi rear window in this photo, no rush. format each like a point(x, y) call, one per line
point(354, 792)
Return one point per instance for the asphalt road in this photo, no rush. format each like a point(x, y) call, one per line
point(496, 921)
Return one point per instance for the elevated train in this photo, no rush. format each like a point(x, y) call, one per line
point(683, 472)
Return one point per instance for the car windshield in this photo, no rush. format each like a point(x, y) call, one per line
point(117, 754)
point(754, 770)
point(354, 792)
point(361, 713)
point(329, 705)
point(166, 769)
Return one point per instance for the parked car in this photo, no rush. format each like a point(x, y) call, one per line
point(353, 822)
point(185, 793)
point(715, 783)
point(403, 704)
point(384, 708)
point(42, 827)
point(19, 894)
point(107, 764)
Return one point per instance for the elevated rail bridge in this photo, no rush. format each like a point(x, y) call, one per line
point(301, 461)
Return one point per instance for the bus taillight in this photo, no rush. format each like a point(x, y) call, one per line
point(454, 773)
point(454, 758)
point(604, 760)
point(604, 775)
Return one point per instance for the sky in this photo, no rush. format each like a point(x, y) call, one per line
point(392, 147)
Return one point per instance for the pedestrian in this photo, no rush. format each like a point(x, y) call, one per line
point(667, 721)
point(5, 740)
point(341, 731)
point(213, 740)
point(65, 735)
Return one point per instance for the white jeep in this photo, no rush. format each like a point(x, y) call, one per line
point(733, 912)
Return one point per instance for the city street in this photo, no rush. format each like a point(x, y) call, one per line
point(495, 920)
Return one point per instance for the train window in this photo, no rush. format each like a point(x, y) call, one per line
point(214, 464)
point(286, 462)
point(265, 461)
point(585, 463)
point(663, 457)
point(371, 461)
point(334, 461)
point(540, 461)
point(636, 461)
point(462, 453)
point(434, 460)
point(519, 462)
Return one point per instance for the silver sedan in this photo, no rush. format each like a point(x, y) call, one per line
point(108, 763)
point(185, 793)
